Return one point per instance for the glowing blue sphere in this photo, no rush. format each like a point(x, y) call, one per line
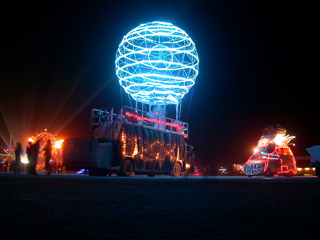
point(157, 63)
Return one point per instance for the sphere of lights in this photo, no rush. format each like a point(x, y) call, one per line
point(157, 63)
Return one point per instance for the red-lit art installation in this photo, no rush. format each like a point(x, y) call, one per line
point(42, 138)
point(272, 156)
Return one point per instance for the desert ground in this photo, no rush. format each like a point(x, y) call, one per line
point(66, 206)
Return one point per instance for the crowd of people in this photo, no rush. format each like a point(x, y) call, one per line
point(32, 152)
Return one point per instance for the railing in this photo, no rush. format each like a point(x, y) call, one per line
point(154, 121)
point(115, 127)
point(101, 115)
point(101, 120)
point(106, 124)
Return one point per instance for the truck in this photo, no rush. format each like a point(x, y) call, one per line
point(130, 142)
point(272, 156)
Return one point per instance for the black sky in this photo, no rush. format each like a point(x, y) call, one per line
point(57, 63)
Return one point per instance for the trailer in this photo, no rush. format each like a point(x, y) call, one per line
point(272, 156)
point(130, 142)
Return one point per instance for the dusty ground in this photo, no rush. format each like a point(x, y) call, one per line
point(83, 207)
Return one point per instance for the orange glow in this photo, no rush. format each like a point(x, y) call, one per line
point(30, 139)
point(123, 139)
point(58, 144)
point(135, 152)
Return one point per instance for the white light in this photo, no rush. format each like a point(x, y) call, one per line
point(24, 159)
point(58, 144)
point(282, 140)
point(157, 62)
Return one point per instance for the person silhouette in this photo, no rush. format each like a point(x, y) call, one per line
point(28, 152)
point(48, 154)
point(35, 148)
point(17, 152)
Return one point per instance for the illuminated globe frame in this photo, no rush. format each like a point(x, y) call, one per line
point(157, 63)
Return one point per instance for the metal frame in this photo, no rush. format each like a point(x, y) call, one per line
point(105, 123)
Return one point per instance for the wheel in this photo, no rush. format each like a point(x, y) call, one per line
point(176, 170)
point(127, 168)
point(318, 171)
point(151, 175)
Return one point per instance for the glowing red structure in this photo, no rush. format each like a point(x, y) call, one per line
point(272, 156)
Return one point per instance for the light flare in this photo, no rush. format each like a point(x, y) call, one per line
point(282, 140)
point(58, 144)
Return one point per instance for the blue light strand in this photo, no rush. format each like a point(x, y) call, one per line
point(157, 63)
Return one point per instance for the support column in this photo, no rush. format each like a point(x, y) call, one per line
point(177, 111)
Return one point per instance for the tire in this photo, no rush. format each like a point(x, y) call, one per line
point(176, 170)
point(151, 175)
point(318, 171)
point(127, 168)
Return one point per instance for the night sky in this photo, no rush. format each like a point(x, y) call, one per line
point(57, 63)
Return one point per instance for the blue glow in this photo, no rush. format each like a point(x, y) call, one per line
point(157, 63)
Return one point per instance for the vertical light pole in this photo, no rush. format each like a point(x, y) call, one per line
point(10, 153)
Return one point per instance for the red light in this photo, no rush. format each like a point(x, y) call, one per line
point(128, 114)
point(263, 142)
